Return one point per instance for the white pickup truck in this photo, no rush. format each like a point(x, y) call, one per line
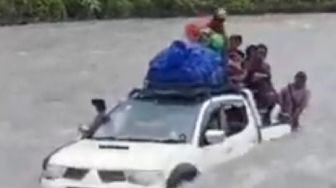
point(151, 142)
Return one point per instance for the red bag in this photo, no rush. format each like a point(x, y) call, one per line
point(193, 28)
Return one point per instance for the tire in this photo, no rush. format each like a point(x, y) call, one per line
point(181, 174)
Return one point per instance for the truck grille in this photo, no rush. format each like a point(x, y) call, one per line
point(75, 174)
point(111, 176)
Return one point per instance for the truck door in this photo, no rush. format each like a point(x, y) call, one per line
point(234, 119)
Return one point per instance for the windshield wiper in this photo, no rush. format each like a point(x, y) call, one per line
point(169, 141)
point(105, 138)
point(172, 141)
point(125, 139)
point(138, 139)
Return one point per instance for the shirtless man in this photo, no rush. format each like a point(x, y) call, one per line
point(294, 99)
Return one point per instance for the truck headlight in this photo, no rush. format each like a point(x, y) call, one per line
point(53, 172)
point(145, 178)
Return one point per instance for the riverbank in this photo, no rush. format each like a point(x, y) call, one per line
point(23, 11)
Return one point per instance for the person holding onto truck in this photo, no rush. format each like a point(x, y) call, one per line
point(250, 56)
point(259, 80)
point(294, 99)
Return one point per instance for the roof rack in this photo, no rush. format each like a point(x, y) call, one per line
point(188, 93)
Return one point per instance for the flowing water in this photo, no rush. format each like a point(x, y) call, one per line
point(49, 72)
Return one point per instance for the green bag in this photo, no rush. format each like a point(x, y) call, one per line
point(213, 40)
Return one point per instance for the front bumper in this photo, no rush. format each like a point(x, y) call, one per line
point(62, 183)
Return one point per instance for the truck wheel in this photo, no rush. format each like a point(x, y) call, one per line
point(181, 174)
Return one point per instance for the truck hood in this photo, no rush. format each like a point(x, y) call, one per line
point(120, 155)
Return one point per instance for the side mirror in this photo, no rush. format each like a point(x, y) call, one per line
point(215, 136)
point(134, 92)
point(99, 104)
point(83, 130)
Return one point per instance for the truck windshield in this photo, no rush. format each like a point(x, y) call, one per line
point(138, 120)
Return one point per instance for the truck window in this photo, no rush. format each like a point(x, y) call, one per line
point(231, 117)
point(236, 118)
point(214, 122)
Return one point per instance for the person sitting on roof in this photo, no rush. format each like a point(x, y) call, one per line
point(214, 35)
point(217, 23)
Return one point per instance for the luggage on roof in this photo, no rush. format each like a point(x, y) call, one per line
point(186, 65)
point(193, 28)
point(212, 40)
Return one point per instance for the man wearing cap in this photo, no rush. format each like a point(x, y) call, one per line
point(218, 20)
point(214, 36)
point(195, 28)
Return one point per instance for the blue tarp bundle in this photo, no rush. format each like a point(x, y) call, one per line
point(185, 64)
